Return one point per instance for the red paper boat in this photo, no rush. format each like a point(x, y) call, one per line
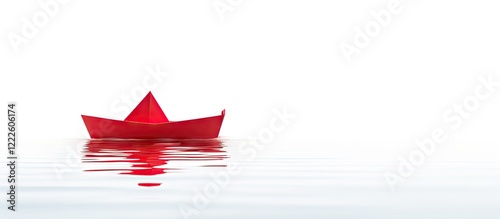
point(147, 121)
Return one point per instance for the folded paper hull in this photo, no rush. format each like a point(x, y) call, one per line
point(202, 128)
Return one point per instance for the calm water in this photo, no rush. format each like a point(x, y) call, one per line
point(215, 179)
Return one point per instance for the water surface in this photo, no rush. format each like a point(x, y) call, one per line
point(213, 179)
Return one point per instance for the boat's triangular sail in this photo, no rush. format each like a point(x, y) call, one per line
point(148, 110)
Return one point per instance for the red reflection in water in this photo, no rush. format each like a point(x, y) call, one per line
point(148, 157)
point(148, 184)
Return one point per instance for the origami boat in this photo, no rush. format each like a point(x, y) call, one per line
point(147, 121)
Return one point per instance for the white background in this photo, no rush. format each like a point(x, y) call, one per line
point(263, 55)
